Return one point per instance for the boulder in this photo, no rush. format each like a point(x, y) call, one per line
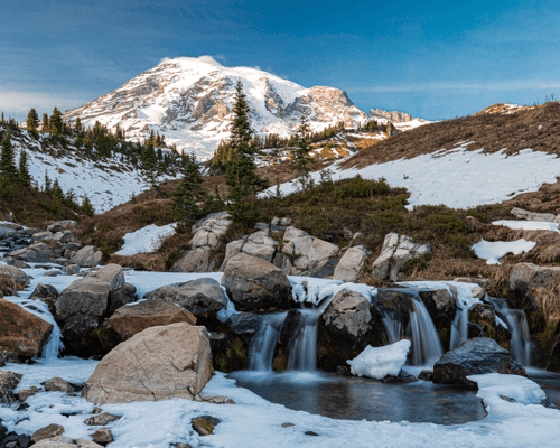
point(348, 316)
point(474, 357)
point(258, 244)
point(395, 252)
point(197, 260)
point(8, 382)
point(199, 296)
point(530, 216)
point(57, 384)
point(121, 296)
point(310, 253)
point(17, 263)
point(45, 293)
point(53, 430)
point(66, 442)
point(252, 283)
point(349, 268)
point(112, 273)
point(204, 426)
point(245, 323)
point(101, 419)
point(102, 435)
point(130, 320)
point(160, 363)
point(24, 394)
point(21, 331)
point(207, 231)
point(87, 257)
point(8, 357)
point(34, 253)
point(53, 273)
point(13, 273)
point(61, 226)
point(40, 236)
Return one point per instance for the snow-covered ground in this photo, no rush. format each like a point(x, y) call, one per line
point(146, 239)
point(492, 251)
point(529, 225)
point(457, 177)
point(255, 422)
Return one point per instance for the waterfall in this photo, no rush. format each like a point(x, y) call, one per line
point(263, 342)
point(303, 353)
point(519, 329)
point(426, 348)
point(53, 345)
point(393, 328)
point(459, 328)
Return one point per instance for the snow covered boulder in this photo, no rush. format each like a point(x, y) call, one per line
point(378, 362)
point(474, 357)
point(200, 296)
point(395, 252)
point(160, 363)
point(349, 268)
point(20, 331)
point(252, 283)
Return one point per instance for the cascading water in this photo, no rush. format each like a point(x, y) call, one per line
point(303, 354)
point(459, 328)
point(263, 343)
point(517, 325)
point(393, 328)
point(426, 347)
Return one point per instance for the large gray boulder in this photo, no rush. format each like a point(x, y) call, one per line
point(112, 273)
point(196, 260)
point(87, 257)
point(349, 268)
point(160, 363)
point(13, 273)
point(61, 226)
point(199, 296)
point(474, 357)
point(348, 316)
point(396, 251)
point(310, 253)
point(34, 253)
point(45, 293)
point(258, 244)
point(252, 283)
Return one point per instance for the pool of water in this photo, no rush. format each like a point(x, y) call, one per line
point(549, 382)
point(358, 398)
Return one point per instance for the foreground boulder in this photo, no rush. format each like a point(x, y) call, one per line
point(160, 363)
point(474, 357)
point(13, 273)
point(20, 331)
point(8, 382)
point(199, 296)
point(396, 251)
point(252, 283)
point(45, 293)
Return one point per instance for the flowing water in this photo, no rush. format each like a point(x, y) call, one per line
point(426, 347)
point(303, 354)
point(263, 343)
point(459, 328)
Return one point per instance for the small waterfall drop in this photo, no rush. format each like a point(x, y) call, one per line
point(263, 342)
point(426, 347)
point(459, 328)
point(393, 328)
point(53, 346)
point(303, 354)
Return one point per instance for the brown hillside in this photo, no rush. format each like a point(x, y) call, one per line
point(538, 129)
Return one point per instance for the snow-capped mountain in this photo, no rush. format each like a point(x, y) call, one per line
point(189, 100)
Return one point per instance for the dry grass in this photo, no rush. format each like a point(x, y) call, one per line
point(549, 300)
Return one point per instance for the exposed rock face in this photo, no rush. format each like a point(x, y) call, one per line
point(258, 245)
point(396, 251)
point(199, 296)
point(473, 357)
point(87, 257)
point(160, 363)
point(61, 226)
point(310, 253)
point(8, 382)
point(396, 117)
point(349, 268)
point(121, 296)
point(252, 283)
point(34, 253)
point(530, 216)
point(130, 320)
point(206, 236)
point(21, 331)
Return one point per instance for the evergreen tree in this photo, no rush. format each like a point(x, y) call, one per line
point(8, 170)
point(86, 207)
point(55, 124)
point(45, 123)
point(78, 126)
point(149, 164)
point(189, 193)
point(300, 158)
point(32, 119)
point(24, 179)
point(244, 184)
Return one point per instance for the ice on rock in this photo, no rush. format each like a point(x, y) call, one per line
point(377, 362)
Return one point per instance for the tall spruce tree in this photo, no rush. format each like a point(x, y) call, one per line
point(189, 194)
point(300, 158)
point(32, 120)
point(8, 170)
point(55, 125)
point(45, 123)
point(24, 179)
point(244, 184)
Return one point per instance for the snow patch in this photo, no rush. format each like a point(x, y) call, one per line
point(492, 251)
point(147, 239)
point(377, 362)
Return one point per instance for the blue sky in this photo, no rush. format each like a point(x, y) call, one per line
point(432, 59)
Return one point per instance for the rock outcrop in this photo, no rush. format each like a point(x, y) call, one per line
point(160, 363)
point(87, 257)
point(258, 244)
point(310, 254)
point(21, 331)
point(396, 251)
point(473, 357)
point(252, 283)
point(349, 268)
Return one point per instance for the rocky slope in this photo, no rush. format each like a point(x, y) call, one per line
point(189, 100)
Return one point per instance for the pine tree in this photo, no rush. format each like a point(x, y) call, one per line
point(32, 119)
point(45, 123)
point(8, 170)
point(24, 179)
point(189, 193)
point(300, 158)
point(86, 207)
point(149, 164)
point(244, 184)
point(55, 124)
